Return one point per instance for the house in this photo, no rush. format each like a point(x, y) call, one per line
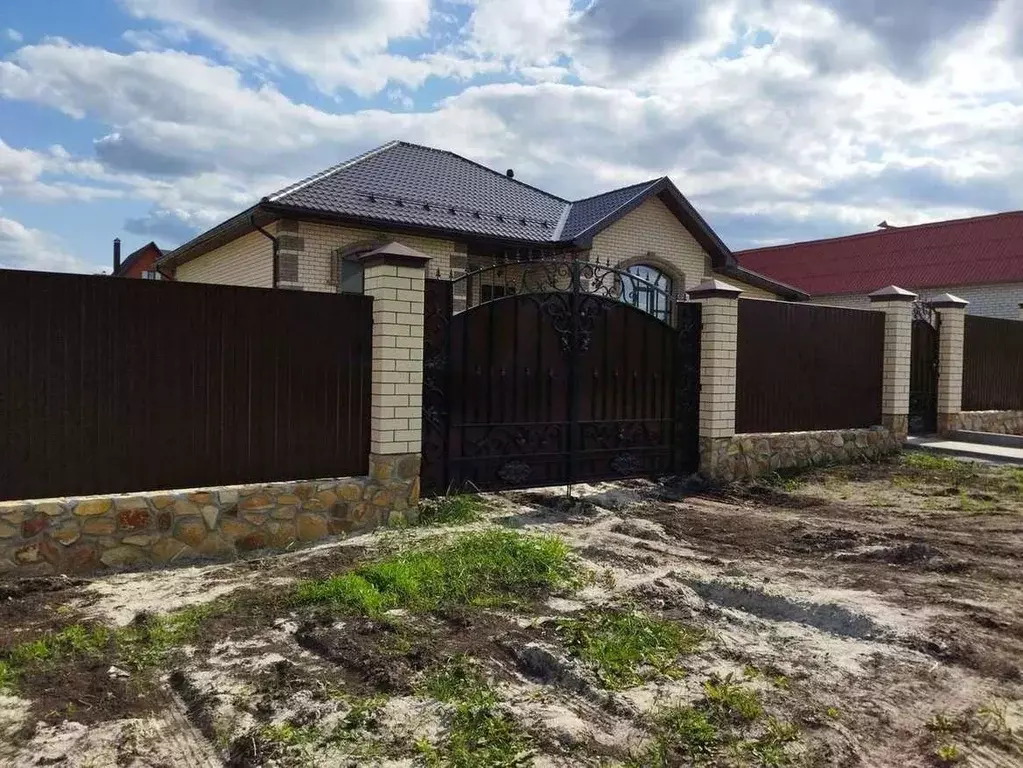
point(464, 216)
point(140, 264)
point(979, 259)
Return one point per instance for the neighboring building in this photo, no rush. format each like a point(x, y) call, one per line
point(140, 264)
point(464, 216)
point(978, 259)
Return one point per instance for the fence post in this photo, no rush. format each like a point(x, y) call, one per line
point(897, 304)
point(720, 319)
point(395, 277)
point(1021, 311)
point(952, 311)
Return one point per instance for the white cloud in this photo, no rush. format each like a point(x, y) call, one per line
point(25, 248)
point(13, 35)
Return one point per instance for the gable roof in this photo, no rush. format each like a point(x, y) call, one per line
point(408, 187)
point(134, 256)
point(973, 251)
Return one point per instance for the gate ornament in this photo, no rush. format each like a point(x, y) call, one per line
point(514, 472)
point(626, 464)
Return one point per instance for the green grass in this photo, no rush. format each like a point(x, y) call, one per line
point(142, 644)
point(942, 468)
point(726, 726)
point(451, 510)
point(625, 649)
point(493, 568)
point(478, 733)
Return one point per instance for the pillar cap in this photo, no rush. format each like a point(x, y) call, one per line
point(948, 301)
point(712, 288)
point(394, 253)
point(893, 293)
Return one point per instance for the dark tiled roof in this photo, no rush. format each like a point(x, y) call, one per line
point(981, 250)
point(584, 214)
point(401, 183)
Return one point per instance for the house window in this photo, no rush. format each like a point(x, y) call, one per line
point(491, 292)
point(151, 274)
point(651, 292)
point(351, 276)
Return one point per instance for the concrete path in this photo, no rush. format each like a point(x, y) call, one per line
point(959, 449)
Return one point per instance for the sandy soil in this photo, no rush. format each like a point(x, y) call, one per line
point(860, 603)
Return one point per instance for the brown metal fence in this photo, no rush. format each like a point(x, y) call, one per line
point(992, 364)
point(805, 367)
point(113, 385)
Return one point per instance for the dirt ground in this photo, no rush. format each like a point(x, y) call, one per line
point(874, 612)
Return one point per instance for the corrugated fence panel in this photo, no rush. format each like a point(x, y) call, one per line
point(804, 367)
point(992, 364)
point(115, 385)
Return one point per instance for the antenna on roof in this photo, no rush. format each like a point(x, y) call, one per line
point(510, 173)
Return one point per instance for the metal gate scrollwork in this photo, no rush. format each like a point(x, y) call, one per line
point(550, 375)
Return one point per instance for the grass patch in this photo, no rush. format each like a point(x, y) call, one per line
point(941, 468)
point(143, 644)
point(451, 510)
point(726, 726)
point(625, 649)
point(478, 733)
point(493, 568)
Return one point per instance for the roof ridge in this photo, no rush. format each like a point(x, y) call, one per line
point(645, 188)
point(504, 176)
point(883, 231)
point(648, 183)
point(319, 176)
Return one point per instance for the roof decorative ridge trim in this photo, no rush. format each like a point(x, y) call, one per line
point(560, 227)
point(643, 184)
point(276, 196)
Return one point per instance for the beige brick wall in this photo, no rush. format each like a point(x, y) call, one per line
point(652, 228)
point(717, 367)
point(397, 377)
point(985, 300)
point(950, 361)
point(246, 261)
point(320, 241)
point(898, 329)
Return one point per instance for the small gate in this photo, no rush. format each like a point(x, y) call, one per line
point(923, 374)
point(547, 373)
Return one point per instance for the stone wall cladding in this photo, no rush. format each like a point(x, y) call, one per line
point(997, 422)
point(747, 456)
point(97, 533)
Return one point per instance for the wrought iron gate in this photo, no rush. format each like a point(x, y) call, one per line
point(545, 373)
point(923, 372)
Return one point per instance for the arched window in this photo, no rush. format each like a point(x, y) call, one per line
point(651, 292)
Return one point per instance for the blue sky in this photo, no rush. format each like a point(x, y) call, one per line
point(780, 119)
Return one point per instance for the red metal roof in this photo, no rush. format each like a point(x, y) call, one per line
point(984, 249)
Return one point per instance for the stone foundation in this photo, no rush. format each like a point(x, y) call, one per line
point(740, 457)
point(97, 533)
point(997, 422)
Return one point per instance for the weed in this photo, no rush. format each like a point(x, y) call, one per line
point(451, 510)
point(770, 749)
point(142, 644)
point(948, 754)
point(971, 503)
point(954, 471)
point(494, 568)
point(623, 646)
point(478, 733)
point(786, 481)
point(833, 713)
point(941, 723)
point(728, 701)
point(691, 734)
point(751, 672)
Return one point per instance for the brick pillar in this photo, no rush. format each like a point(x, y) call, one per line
point(720, 318)
point(952, 311)
point(897, 304)
point(395, 277)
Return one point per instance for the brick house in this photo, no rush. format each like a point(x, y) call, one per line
point(140, 264)
point(979, 259)
point(462, 215)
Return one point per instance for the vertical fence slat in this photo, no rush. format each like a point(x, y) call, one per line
point(803, 367)
point(114, 385)
point(992, 364)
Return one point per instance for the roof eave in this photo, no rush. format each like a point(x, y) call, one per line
point(758, 280)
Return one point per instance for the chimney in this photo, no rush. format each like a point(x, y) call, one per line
point(510, 173)
point(117, 255)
